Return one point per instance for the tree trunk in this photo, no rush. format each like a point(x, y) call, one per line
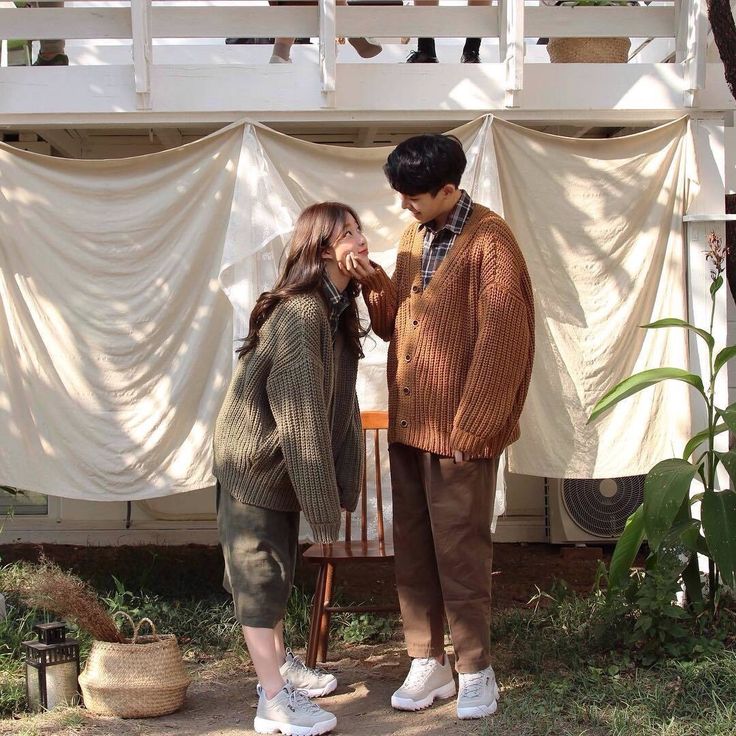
point(724, 34)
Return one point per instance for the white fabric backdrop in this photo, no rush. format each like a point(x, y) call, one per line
point(600, 222)
point(115, 337)
point(116, 344)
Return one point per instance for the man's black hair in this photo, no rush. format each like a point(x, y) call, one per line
point(425, 163)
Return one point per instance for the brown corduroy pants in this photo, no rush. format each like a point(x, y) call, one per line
point(442, 540)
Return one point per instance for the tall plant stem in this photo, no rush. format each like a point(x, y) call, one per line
point(710, 456)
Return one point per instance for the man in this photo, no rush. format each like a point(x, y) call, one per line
point(426, 52)
point(459, 315)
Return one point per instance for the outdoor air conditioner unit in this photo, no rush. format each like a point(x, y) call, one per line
point(591, 511)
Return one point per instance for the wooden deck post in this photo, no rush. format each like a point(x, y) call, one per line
point(327, 51)
point(511, 49)
point(140, 11)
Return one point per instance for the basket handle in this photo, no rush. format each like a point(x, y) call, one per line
point(148, 621)
point(128, 618)
point(136, 627)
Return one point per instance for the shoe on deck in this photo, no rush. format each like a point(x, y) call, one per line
point(292, 713)
point(478, 695)
point(420, 57)
point(426, 681)
point(470, 57)
point(365, 47)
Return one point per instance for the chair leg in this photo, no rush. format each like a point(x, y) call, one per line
point(317, 610)
point(324, 625)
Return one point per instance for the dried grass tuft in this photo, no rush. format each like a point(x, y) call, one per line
point(45, 585)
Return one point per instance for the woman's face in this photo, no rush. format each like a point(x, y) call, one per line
point(348, 240)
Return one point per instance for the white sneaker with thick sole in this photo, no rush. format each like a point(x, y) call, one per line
point(292, 713)
point(426, 681)
point(314, 683)
point(478, 694)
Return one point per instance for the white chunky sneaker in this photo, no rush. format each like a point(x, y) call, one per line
point(314, 683)
point(427, 680)
point(478, 694)
point(292, 713)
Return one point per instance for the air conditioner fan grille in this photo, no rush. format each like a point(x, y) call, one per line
point(601, 507)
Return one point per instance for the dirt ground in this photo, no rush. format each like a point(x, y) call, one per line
point(221, 700)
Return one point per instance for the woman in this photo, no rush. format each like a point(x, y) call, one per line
point(288, 438)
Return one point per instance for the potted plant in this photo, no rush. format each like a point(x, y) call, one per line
point(583, 50)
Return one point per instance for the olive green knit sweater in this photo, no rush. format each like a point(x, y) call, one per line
point(288, 435)
point(461, 352)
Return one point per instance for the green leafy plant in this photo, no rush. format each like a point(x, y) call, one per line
point(365, 628)
point(665, 518)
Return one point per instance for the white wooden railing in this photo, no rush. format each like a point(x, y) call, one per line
point(142, 22)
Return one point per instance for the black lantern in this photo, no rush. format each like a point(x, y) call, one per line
point(52, 668)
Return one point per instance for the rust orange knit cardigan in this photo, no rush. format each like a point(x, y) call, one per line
point(461, 351)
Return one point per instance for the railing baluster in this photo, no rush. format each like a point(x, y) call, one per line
point(327, 51)
point(140, 11)
point(693, 37)
point(511, 46)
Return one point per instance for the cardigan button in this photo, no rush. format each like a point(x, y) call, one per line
point(415, 322)
point(407, 358)
point(404, 423)
point(415, 289)
point(407, 391)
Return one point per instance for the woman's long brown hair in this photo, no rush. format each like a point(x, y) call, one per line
point(302, 272)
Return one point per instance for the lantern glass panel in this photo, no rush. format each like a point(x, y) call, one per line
point(33, 677)
point(61, 685)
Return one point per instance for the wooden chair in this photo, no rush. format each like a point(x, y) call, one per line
point(328, 556)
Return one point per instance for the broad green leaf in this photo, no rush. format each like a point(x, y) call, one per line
point(638, 382)
point(665, 488)
point(674, 322)
point(626, 550)
point(723, 357)
point(700, 438)
point(693, 584)
point(718, 513)
point(717, 283)
point(694, 540)
point(729, 416)
point(677, 547)
point(729, 462)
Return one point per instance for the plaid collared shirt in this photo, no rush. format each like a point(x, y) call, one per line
point(437, 243)
point(338, 301)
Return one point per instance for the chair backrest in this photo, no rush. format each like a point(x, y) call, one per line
point(373, 422)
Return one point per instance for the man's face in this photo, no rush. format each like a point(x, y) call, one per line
point(426, 207)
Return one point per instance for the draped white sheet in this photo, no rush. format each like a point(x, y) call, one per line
point(600, 222)
point(115, 338)
point(116, 342)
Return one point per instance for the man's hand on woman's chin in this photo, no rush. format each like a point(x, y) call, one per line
point(359, 267)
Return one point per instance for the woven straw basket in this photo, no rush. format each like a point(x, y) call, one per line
point(588, 50)
point(140, 678)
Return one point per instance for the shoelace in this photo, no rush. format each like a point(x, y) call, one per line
point(300, 701)
point(472, 685)
point(418, 672)
point(300, 665)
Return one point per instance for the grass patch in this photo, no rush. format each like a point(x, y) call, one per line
point(564, 672)
point(671, 699)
